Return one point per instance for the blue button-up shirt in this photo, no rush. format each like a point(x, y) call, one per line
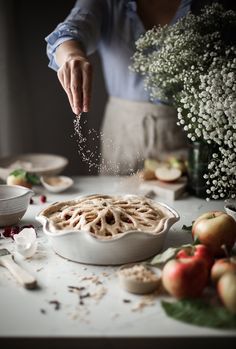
point(111, 27)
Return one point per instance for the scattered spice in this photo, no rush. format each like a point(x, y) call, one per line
point(56, 303)
point(105, 274)
point(150, 194)
point(126, 300)
point(93, 278)
point(99, 293)
point(82, 296)
point(75, 288)
point(38, 270)
point(85, 295)
point(144, 302)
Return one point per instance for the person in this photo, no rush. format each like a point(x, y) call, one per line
point(134, 128)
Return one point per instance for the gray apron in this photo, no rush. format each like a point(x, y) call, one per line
point(133, 131)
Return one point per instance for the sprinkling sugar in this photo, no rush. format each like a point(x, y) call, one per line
point(94, 158)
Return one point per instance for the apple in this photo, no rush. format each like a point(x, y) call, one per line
point(222, 266)
point(167, 174)
point(147, 175)
point(151, 164)
point(178, 163)
point(198, 251)
point(215, 229)
point(22, 181)
point(226, 288)
point(185, 277)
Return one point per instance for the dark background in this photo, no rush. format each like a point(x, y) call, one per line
point(52, 119)
point(35, 115)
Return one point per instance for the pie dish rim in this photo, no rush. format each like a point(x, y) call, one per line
point(45, 221)
point(129, 247)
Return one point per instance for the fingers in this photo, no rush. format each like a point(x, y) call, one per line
point(87, 86)
point(75, 77)
point(65, 82)
point(76, 90)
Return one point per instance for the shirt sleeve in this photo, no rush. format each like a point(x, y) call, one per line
point(84, 23)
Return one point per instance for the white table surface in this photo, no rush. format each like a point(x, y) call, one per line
point(21, 310)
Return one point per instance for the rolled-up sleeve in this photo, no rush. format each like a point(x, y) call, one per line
point(84, 23)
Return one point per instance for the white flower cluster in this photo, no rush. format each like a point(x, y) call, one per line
point(208, 112)
point(192, 65)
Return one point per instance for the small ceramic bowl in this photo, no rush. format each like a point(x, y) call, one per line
point(230, 208)
point(14, 201)
point(135, 281)
point(56, 184)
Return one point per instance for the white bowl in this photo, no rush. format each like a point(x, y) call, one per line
point(40, 164)
point(138, 286)
point(14, 201)
point(56, 184)
point(231, 210)
point(84, 247)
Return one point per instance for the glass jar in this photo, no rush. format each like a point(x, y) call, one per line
point(200, 153)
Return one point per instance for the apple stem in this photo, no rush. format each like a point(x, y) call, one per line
point(224, 248)
point(212, 216)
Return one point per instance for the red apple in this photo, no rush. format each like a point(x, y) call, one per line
point(226, 288)
point(185, 277)
point(222, 266)
point(198, 251)
point(215, 229)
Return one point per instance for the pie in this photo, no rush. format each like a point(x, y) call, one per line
point(106, 216)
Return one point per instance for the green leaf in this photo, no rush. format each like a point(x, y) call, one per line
point(196, 241)
point(19, 173)
point(29, 177)
point(32, 178)
point(201, 313)
point(168, 254)
point(188, 228)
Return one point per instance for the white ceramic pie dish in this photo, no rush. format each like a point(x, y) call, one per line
point(83, 247)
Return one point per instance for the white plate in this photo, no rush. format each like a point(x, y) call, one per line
point(40, 164)
point(84, 247)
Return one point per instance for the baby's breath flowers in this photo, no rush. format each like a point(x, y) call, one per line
point(192, 65)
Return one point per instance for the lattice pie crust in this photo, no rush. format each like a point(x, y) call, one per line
point(107, 216)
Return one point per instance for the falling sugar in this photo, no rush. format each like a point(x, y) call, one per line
point(94, 158)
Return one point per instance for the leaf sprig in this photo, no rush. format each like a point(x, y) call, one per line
point(201, 313)
point(29, 177)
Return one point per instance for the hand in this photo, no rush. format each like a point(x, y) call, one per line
point(75, 75)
